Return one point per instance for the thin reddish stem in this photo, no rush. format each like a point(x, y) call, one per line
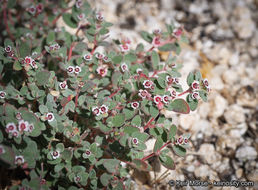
point(158, 151)
point(184, 92)
point(6, 23)
point(70, 52)
point(149, 122)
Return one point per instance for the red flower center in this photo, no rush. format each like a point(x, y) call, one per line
point(102, 71)
point(125, 46)
point(135, 104)
point(195, 85)
point(158, 99)
point(180, 140)
point(2, 94)
point(87, 152)
point(50, 116)
point(166, 98)
point(27, 60)
point(70, 69)
point(11, 127)
point(103, 109)
point(206, 83)
point(55, 153)
point(135, 141)
point(87, 57)
point(157, 41)
point(96, 111)
point(186, 141)
point(23, 126)
point(77, 70)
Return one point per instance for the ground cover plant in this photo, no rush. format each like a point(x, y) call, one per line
point(73, 117)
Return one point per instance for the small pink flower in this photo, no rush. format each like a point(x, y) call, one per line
point(138, 71)
point(99, 55)
point(124, 47)
point(173, 93)
point(206, 84)
point(195, 95)
point(81, 16)
point(78, 4)
point(19, 160)
point(23, 125)
point(2, 150)
point(63, 85)
point(195, 85)
point(28, 60)
point(18, 116)
point(2, 94)
point(103, 109)
point(30, 128)
point(77, 179)
point(102, 71)
point(33, 64)
point(70, 69)
point(56, 46)
point(77, 70)
point(186, 140)
point(157, 31)
point(135, 105)
point(96, 111)
point(50, 117)
point(165, 99)
point(39, 8)
point(87, 153)
point(8, 49)
point(106, 59)
point(99, 17)
point(55, 154)
point(177, 32)
point(124, 67)
point(169, 79)
point(143, 93)
point(87, 57)
point(42, 182)
point(15, 133)
point(176, 80)
point(147, 83)
point(10, 127)
point(32, 10)
point(173, 65)
point(157, 99)
point(156, 41)
point(180, 140)
point(135, 141)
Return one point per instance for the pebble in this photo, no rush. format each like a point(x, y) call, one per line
point(245, 153)
point(234, 114)
point(208, 153)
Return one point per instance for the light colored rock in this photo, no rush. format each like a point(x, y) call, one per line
point(238, 130)
point(202, 126)
point(234, 59)
point(230, 77)
point(239, 173)
point(216, 83)
point(246, 153)
point(204, 109)
point(253, 176)
point(218, 106)
point(234, 114)
point(208, 153)
point(187, 121)
point(204, 171)
point(242, 22)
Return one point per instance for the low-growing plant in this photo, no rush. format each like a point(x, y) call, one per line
point(73, 117)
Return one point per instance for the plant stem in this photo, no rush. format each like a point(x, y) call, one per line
point(6, 23)
point(157, 153)
point(184, 92)
point(149, 122)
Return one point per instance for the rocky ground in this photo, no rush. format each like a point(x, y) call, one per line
point(224, 46)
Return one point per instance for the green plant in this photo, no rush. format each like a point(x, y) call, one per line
point(73, 117)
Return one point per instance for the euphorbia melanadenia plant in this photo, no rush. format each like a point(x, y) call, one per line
point(73, 117)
